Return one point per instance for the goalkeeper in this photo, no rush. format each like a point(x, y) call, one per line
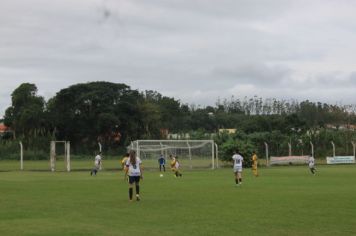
point(162, 163)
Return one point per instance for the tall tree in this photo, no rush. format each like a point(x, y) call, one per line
point(26, 114)
point(84, 113)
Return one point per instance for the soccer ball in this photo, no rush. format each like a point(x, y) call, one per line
point(161, 175)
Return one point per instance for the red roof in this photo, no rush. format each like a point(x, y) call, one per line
point(3, 128)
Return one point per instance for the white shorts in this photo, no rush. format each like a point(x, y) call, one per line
point(237, 169)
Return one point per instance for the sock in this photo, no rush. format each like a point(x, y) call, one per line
point(137, 189)
point(130, 193)
point(177, 173)
point(240, 180)
point(236, 181)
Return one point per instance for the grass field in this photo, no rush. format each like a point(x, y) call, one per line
point(282, 201)
point(87, 164)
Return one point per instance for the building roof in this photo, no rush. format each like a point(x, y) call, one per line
point(3, 128)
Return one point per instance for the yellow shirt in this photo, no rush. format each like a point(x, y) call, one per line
point(254, 161)
point(173, 163)
point(123, 161)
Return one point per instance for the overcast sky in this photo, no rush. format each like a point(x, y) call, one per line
point(193, 50)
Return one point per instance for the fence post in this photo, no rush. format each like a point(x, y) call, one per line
point(21, 155)
point(266, 148)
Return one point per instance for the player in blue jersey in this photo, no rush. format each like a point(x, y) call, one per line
point(162, 163)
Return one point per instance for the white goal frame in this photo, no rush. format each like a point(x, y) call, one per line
point(164, 145)
point(53, 156)
point(285, 160)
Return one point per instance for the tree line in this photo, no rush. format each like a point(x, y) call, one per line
point(114, 115)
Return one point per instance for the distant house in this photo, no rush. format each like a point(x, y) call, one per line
point(342, 127)
point(229, 131)
point(178, 136)
point(164, 133)
point(3, 129)
point(348, 127)
point(330, 126)
point(352, 127)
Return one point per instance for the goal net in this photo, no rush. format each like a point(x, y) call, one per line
point(191, 153)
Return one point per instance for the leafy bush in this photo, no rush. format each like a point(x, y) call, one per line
point(234, 142)
point(9, 150)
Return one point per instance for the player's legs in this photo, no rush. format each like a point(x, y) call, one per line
point(254, 171)
point(239, 175)
point(131, 182)
point(94, 171)
point(130, 191)
point(137, 185)
point(236, 177)
point(164, 168)
point(177, 173)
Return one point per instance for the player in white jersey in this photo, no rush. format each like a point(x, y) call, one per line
point(97, 164)
point(134, 171)
point(311, 162)
point(237, 159)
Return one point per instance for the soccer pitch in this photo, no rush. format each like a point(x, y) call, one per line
point(282, 201)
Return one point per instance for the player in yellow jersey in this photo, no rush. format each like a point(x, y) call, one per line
point(124, 160)
point(175, 166)
point(254, 163)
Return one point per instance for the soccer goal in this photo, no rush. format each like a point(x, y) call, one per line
point(54, 154)
point(287, 160)
point(191, 153)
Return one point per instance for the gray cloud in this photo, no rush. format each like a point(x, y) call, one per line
point(259, 74)
point(196, 50)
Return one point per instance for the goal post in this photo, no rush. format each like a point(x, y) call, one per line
point(190, 153)
point(53, 154)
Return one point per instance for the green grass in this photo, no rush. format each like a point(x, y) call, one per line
point(282, 201)
point(87, 164)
